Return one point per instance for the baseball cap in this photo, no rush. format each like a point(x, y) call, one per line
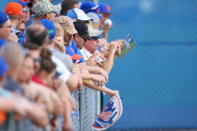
point(67, 24)
point(94, 32)
point(14, 8)
point(95, 17)
point(89, 6)
point(105, 8)
point(43, 7)
point(76, 57)
point(82, 29)
point(78, 14)
point(49, 25)
point(3, 66)
point(3, 17)
point(110, 114)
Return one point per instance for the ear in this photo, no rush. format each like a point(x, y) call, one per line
point(21, 17)
point(75, 37)
point(47, 16)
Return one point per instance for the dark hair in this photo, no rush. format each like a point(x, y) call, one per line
point(30, 46)
point(82, 29)
point(45, 62)
point(67, 5)
point(36, 35)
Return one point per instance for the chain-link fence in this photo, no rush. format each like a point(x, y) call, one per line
point(89, 108)
point(157, 79)
point(89, 103)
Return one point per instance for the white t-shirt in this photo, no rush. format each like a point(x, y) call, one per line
point(86, 54)
point(60, 68)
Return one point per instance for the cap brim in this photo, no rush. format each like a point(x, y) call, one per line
point(108, 13)
point(85, 18)
point(96, 33)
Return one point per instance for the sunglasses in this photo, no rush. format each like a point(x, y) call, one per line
point(95, 38)
point(9, 26)
point(86, 22)
point(25, 9)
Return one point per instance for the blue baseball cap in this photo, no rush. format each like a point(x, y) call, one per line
point(2, 42)
point(49, 25)
point(3, 66)
point(3, 17)
point(105, 8)
point(89, 6)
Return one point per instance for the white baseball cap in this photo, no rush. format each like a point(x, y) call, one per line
point(94, 32)
point(78, 14)
point(95, 17)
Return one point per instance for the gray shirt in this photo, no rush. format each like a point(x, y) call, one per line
point(66, 59)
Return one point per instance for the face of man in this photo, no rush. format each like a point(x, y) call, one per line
point(91, 45)
point(25, 14)
point(26, 70)
point(79, 40)
point(5, 30)
point(51, 16)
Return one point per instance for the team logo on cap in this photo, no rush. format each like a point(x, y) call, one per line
point(9, 12)
point(110, 114)
point(108, 8)
point(70, 23)
point(98, 10)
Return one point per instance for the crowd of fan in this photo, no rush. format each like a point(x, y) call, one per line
point(46, 52)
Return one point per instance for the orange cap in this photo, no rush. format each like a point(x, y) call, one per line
point(76, 57)
point(14, 8)
point(3, 117)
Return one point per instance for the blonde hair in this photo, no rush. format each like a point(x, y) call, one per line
point(59, 40)
point(59, 30)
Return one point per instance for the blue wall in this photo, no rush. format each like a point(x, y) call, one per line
point(158, 79)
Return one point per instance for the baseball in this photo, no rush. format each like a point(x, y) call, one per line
point(108, 22)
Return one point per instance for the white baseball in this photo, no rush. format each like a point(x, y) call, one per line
point(108, 22)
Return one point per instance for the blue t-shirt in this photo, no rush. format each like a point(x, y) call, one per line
point(20, 35)
point(2, 42)
point(99, 49)
point(72, 50)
